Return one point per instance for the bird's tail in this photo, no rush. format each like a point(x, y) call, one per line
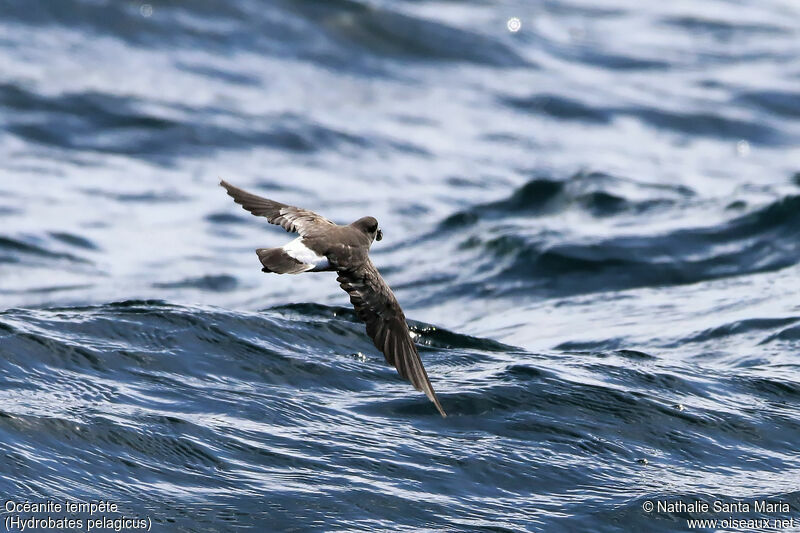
point(278, 261)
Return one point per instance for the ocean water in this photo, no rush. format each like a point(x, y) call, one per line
point(592, 223)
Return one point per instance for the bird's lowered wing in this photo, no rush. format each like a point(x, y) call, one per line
point(288, 217)
point(376, 305)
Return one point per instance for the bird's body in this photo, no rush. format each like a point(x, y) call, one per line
point(326, 246)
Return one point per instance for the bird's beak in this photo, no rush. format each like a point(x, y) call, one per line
point(379, 235)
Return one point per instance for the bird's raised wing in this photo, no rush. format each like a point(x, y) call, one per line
point(290, 218)
point(376, 305)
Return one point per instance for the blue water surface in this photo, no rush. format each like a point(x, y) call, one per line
point(592, 223)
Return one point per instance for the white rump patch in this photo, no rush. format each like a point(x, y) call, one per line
point(299, 251)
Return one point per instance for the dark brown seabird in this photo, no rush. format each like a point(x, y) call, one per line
point(325, 246)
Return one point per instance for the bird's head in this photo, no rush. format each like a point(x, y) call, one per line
point(369, 225)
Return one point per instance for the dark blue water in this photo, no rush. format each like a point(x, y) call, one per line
point(593, 225)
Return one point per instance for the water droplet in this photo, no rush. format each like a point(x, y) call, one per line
point(742, 148)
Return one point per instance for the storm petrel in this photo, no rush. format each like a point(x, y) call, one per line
point(326, 246)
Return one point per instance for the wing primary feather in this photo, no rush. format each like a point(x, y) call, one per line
point(377, 306)
point(290, 218)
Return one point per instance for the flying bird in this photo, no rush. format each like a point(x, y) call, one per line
point(325, 246)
